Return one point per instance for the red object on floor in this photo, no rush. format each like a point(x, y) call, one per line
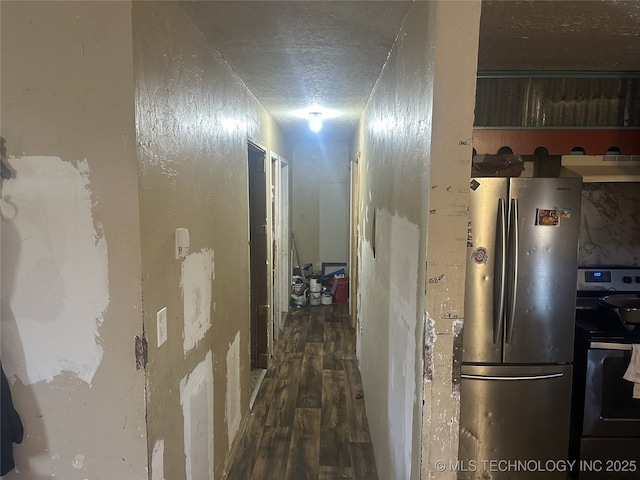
point(342, 289)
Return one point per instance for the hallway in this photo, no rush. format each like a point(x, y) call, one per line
point(309, 420)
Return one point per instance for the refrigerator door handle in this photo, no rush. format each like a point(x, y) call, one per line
point(499, 272)
point(513, 266)
point(526, 377)
point(611, 346)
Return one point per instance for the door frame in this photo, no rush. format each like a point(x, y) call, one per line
point(281, 248)
point(353, 238)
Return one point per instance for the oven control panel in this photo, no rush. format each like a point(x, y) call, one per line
point(609, 279)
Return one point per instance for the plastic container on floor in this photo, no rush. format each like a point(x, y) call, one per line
point(314, 298)
point(341, 290)
point(326, 297)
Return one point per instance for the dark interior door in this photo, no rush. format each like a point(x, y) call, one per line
point(258, 252)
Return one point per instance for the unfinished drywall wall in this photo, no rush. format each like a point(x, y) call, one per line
point(393, 208)
point(70, 240)
point(415, 155)
point(315, 164)
point(194, 119)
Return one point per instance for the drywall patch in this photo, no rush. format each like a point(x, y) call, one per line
point(430, 337)
point(233, 389)
point(196, 399)
point(78, 462)
point(403, 279)
point(55, 284)
point(388, 346)
point(157, 460)
point(196, 282)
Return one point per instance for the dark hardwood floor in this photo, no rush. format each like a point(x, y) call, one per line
point(308, 420)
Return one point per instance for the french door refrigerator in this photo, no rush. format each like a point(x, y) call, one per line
point(519, 327)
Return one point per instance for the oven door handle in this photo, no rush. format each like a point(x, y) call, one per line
point(611, 346)
point(507, 378)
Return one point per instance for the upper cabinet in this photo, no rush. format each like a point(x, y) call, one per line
point(557, 101)
point(558, 113)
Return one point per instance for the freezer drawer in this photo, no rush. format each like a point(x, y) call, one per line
point(514, 422)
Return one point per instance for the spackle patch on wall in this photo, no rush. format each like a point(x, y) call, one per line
point(196, 282)
point(403, 278)
point(233, 389)
point(430, 337)
point(196, 399)
point(157, 460)
point(55, 284)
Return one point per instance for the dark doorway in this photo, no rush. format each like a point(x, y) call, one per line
point(258, 252)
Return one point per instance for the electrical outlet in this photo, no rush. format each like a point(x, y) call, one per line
point(161, 318)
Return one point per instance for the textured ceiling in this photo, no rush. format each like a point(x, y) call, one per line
point(291, 54)
point(601, 35)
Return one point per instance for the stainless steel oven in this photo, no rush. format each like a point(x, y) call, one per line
point(609, 409)
point(605, 424)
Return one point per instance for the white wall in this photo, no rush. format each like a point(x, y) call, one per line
point(333, 223)
point(317, 165)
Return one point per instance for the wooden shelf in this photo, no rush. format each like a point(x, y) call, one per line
point(525, 141)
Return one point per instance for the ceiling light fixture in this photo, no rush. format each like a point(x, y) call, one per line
point(315, 115)
point(315, 121)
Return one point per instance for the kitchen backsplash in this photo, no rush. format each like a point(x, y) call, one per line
point(610, 224)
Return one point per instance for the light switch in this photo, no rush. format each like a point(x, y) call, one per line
point(161, 318)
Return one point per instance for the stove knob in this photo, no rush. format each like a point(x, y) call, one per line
point(627, 279)
point(637, 279)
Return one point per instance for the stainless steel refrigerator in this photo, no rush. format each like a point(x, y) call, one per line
point(518, 326)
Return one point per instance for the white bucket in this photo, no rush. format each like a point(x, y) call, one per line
point(326, 298)
point(315, 299)
point(315, 285)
